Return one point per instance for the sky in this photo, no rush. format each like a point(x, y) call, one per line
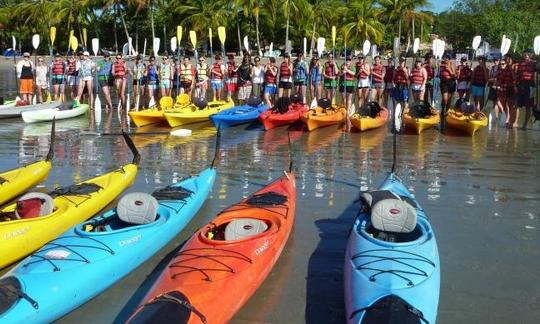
point(441, 5)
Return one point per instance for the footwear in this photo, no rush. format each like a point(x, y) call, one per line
point(75, 103)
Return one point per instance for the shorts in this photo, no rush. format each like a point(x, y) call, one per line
point(231, 85)
point(73, 80)
point(217, 84)
point(86, 78)
point(525, 94)
point(478, 91)
point(463, 86)
point(186, 85)
point(429, 84)
point(505, 93)
point(492, 95)
point(270, 88)
point(42, 83)
point(388, 86)
point(315, 82)
point(363, 83)
point(26, 86)
point(378, 85)
point(244, 92)
point(330, 83)
point(346, 89)
point(285, 84)
point(417, 87)
point(401, 93)
point(165, 84)
point(300, 83)
point(106, 83)
point(152, 85)
point(58, 79)
point(448, 86)
point(137, 82)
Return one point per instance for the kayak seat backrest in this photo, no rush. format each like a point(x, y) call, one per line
point(254, 101)
point(390, 212)
point(270, 198)
point(76, 190)
point(137, 208)
point(172, 193)
point(34, 204)
point(242, 228)
point(282, 105)
point(200, 103)
point(297, 98)
point(392, 309)
point(459, 102)
point(467, 108)
point(324, 103)
point(420, 109)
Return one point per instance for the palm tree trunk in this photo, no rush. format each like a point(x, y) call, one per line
point(399, 29)
point(257, 29)
point(413, 28)
point(421, 30)
point(115, 35)
point(312, 40)
point(165, 38)
point(152, 21)
point(287, 28)
point(238, 32)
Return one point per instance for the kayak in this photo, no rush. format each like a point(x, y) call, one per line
point(222, 264)
point(156, 115)
point(16, 111)
point(53, 113)
point(193, 114)
point(364, 123)
point(92, 256)
point(316, 118)
point(8, 104)
point(72, 205)
point(237, 115)
point(421, 124)
point(466, 123)
point(392, 268)
point(273, 118)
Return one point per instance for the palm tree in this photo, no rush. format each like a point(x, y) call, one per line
point(365, 21)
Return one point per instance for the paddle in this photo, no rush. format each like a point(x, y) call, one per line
point(211, 50)
point(137, 101)
point(366, 47)
point(505, 45)
point(193, 39)
point(52, 37)
point(35, 44)
point(178, 39)
point(320, 49)
point(475, 44)
point(305, 46)
point(73, 44)
point(246, 44)
point(84, 37)
point(396, 128)
point(128, 99)
point(396, 47)
point(17, 98)
point(221, 36)
point(97, 101)
point(536, 47)
point(155, 49)
point(438, 51)
point(334, 54)
point(416, 47)
point(271, 49)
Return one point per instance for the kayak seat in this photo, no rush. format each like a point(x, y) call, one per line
point(467, 108)
point(200, 103)
point(282, 105)
point(420, 109)
point(34, 204)
point(242, 228)
point(254, 101)
point(391, 309)
point(296, 98)
point(371, 109)
point(137, 208)
point(172, 192)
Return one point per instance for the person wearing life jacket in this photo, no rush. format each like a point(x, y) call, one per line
point(72, 70)
point(187, 76)
point(270, 79)
point(401, 81)
point(217, 72)
point(105, 78)
point(42, 79)
point(330, 71)
point(244, 73)
point(152, 78)
point(347, 82)
point(120, 73)
point(418, 81)
point(378, 74)
point(315, 78)
point(165, 71)
point(492, 94)
point(447, 73)
point(231, 77)
point(137, 74)
point(58, 68)
point(257, 77)
point(300, 76)
point(86, 70)
point(506, 89)
point(363, 73)
point(431, 66)
point(479, 81)
point(464, 77)
point(25, 74)
point(285, 77)
point(202, 78)
point(388, 93)
point(525, 73)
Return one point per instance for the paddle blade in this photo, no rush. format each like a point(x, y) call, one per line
point(130, 46)
point(155, 45)
point(373, 50)
point(125, 49)
point(178, 34)
point(476, 42)
point(505, 46)
point(210, 34)
point(246, 43)
point(313, 104)
point(320, 45)
point(221, 34)
point(52, 34)
point(74, 43)
point(537, 45)
point(334, 36)
point(14, 43)
point(397, 117)
point(396, 46)
point(305, 46)
point(35, 41)
point(173, 44)
point(95, 46)
point(416, 45)
point(84, 36)
point(271, 49)
point(366, 47)
point(193, 38)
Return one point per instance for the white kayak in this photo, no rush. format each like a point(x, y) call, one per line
point(49, 114)
point(8, 104)
point(11, 111)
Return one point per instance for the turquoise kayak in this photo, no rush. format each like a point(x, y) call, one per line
point(94, 255)
point(392, 269)
point(237, 115)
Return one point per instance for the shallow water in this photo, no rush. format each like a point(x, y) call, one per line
point(480, 193)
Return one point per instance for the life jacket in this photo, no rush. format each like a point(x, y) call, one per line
point(465, 74)
point(329, 69)
point(58, 68)
point(377, 68)
point(389, 73)
point(138, 70)
point(86, 68)
point(231, 70)
point(105, 70)
point(284, 71)
point(72, 67)
point(186, 73)
point(152, 73)
point(202, 72)
point(118, 69)
point(217, 72)
point(26, 72)
point(525, 71)
point(478, 76)
point(349, 76)
point(505, 78)
point(429, 70)
point(269, 78)
point(399, 76)
point(299, 71)
point(445, 72)
point(416, 76)
point(165, 71)
point(359, 69)
point(314, 72)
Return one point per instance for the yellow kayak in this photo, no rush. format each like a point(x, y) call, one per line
point(193, 114)
point(421, 124)
point(316, 118)
point(156, 115)
point(466, 123)
point(364, 123)
point(20, 236)
point(16, 181)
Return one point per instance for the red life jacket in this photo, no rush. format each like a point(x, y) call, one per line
point(478, 76)
point(505, 78)
point(377, 68)
point(269, 78)
point(58, 68)
point(389, 74)
point(465, 74)
point(284, 71)
point(445, 72)
point(216, 68)
point(231, 70)
point(399, 76)
point(71, 68)
point(417, 77)
point(361, 73)
point(348, 76)
point(329, 69)
point(429, 70)
point(118, 70)
point(525, 71)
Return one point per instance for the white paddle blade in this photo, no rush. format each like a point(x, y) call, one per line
point(313, 104)
point(34, 100)
point(476, 42)
point(152, 102)
point(155, 45)
point(505, 46)
point(537, 45)
point(271, 54)
point(130, 43)
point(396, 46)
point(95, 46)
point(246, 43)
point(305, 46)
point(320, 45)
point(416, 45)
point(373, 50)
point(173, 44)
point(125, 49)
point(182, 132)
point(398, 110)
point(14, 42)
point(35, 41)
point(366, 47)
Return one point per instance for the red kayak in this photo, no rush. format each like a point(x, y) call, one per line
point(273, 118)
point(223, 264)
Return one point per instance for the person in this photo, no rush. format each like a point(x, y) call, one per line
point(25, 74)
point(244, 72)
point(137, 74)
point(330, 77)
point(464, 75)
point(363, 73)
point(347, 84)
point(270, 78)
point(86, 71)
point(42, 79)
point(216, 75)
point(300, 71)
point(285, 77)
point(257, 77)
point(73, 67)
point(165, 70)
point(505, 90)
point(231, 81)
point(430, 66)
point(202, 77)
point(58, 68)
point(447, 74)
point(418, 81)
point(401, 81)
point(388, 93)
point(315, 77)
point(119, 73)
point(492, 94)
point(151, 77)
point(105, 79)
point(525, 87)
point(187, 76)
point(478, 83)
point(377, 78)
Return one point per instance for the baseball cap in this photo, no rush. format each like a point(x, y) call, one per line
point(26, 54)
point(85, 53)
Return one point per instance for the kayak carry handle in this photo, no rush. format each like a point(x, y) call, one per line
point(218, 147)
point(132, 147)
point(50, 155)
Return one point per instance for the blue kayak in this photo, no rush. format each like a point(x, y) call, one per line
point(237, 115)
point(94, 255)
point(392, 270)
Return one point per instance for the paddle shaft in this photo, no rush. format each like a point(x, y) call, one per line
point(15, 67)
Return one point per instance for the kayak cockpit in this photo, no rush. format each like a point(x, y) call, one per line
point(11, 292)
point(172, 307)
point(390, 309)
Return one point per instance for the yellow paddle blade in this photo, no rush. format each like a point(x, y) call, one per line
point(74, 43)
point(221, 34)
point(334, 35)
point(178, 34)
point(49, 99)
point(166, 102)
point(52, 34)
point(84, 36)
point(182, 100)
point(71, 33)
point(193, 38)
point(210, 34)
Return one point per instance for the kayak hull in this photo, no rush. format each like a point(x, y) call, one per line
point(50, 114)
point(209, 268)
point(271, 119)
point(192, 114)
point(17, 181)
point(147, 117)
point(364, 123)
point(237, 115)
point(378, 272)
point(421, 124)
point(316, 118)
point(468, 124)
point(112, 254)
point(12, 111)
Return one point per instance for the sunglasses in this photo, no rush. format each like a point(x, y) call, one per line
point(118, 58)
point(165, 58)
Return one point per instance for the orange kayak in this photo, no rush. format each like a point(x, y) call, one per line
point(316, 118)
point(224, 263)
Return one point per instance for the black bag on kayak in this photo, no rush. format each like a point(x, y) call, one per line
point(459, 102)
point(296, 98)
point(254, 101)
point(282, 105)
point(467, 108)
point(200, 103)
point(324, 103)
point(420, 109)
point(371, 109)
